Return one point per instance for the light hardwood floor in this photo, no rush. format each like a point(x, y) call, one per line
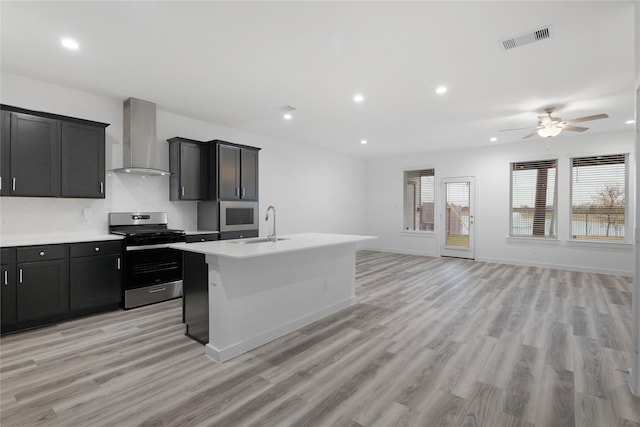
point(431, 342)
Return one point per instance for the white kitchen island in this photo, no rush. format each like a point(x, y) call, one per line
point(260, 291)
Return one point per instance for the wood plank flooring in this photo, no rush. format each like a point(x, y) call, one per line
point(431, 342)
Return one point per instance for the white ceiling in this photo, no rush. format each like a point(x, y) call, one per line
point(238, 63)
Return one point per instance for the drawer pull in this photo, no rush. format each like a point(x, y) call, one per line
point(97, 249)
point(41, 253)
point(151, 291)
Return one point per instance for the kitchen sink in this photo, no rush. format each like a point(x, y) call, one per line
point(257, 240)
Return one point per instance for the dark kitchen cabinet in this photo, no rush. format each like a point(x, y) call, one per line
point(229, 235)
point(188, 169)
point(201, 237)
point(195, 297)
point(237, 172)
point(95, 275)
point(83, 160)
point(35, 156)
point(42, 292)
point(5, 153)
point(8, 288)
point(49, 155)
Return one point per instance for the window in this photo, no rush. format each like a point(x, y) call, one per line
point(598, 197)
point(419, 200)
point(533, 199)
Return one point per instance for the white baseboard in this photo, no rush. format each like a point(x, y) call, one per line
point(400, 251)
point(579, 268)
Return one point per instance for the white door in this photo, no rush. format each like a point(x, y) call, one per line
point(457, 217)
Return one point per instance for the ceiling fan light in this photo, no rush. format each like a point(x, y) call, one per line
point(549, 131)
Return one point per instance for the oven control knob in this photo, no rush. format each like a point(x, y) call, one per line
point(97, 249)
point(41, 253)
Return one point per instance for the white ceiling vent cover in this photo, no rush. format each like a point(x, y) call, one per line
point(538, 34)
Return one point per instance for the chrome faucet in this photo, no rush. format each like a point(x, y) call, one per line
point(272, 237)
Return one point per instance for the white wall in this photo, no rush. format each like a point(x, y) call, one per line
point(312, 190)
point(490, 167)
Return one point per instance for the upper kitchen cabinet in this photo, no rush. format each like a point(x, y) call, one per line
point(48, 155)
point(34, 153)
point(237, 171)
point(83, 164)
point(187, 164)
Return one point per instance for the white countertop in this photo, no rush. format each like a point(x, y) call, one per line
point(293, 242)
point(54, 238)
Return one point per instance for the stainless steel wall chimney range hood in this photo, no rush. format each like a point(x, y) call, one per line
point(139, 140)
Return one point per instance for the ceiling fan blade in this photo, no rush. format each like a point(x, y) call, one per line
point(587, 118)
point(574, 128)
point(530, 135)
point(507, 130)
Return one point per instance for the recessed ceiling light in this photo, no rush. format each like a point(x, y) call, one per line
point(358, 97)
point(363, 141)
point(441, 90)
point(70, 43)
point(493, 139)
point(629, 122)
point(287, 116)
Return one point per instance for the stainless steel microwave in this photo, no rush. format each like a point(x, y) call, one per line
point(238, 216)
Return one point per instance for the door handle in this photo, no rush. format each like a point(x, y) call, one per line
point(237, 192)
point(182, 191)
point(20, 281)
point(118, 263)
point(13, 183)
point(6, 277)
point(243, 192)
point(101, 187)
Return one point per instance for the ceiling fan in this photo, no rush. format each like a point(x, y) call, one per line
point(551, 126)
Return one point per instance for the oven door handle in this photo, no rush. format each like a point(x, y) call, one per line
point(151, 291)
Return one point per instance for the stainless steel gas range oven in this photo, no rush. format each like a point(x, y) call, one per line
point(153, 271)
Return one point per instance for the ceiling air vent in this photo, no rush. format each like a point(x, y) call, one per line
point(526, 38)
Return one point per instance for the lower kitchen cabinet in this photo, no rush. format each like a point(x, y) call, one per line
point(8, 287)
point(42, 291)
point(95, 275)
point(49, 283)
point(195, 296)
point(228, 235)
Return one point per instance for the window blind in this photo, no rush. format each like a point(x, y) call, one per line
point(533, 198)
point(419, 207)
point(598, 197)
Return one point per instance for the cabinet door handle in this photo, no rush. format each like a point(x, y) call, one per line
point(182, 191)
point(97, 249)
point(118, 263)
point(6, 277)
point(101, 187)
point(0, 183)
point(243, 192)
point(13, 183)
point(41, 253)
point(237, 192)
point(20, 276)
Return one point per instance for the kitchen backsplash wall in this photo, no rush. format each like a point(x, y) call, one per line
point(307, 186)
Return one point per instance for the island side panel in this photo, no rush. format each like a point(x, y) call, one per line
point(255, 300)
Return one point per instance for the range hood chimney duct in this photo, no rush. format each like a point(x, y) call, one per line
point(139, 142)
